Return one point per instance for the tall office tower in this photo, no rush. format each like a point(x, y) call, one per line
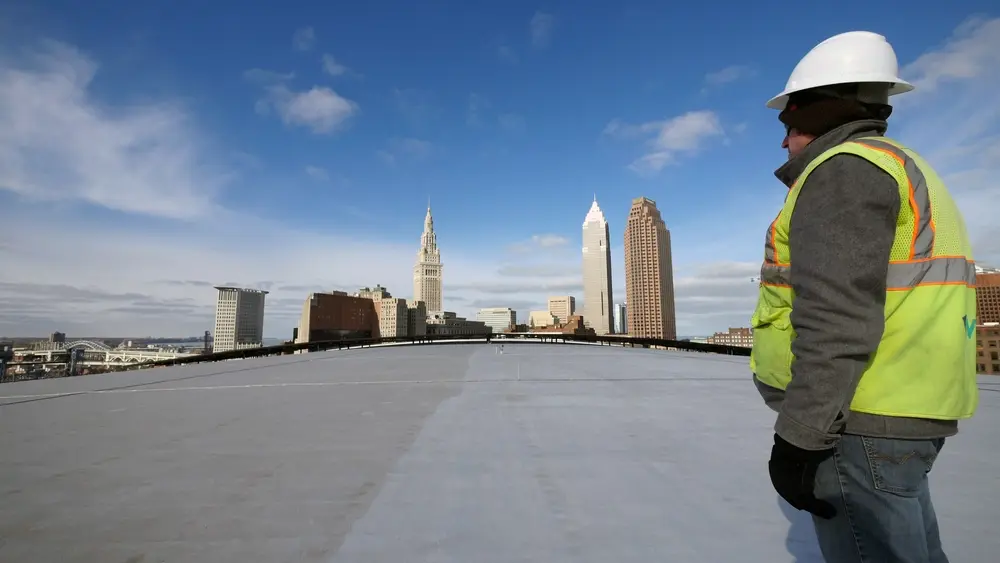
point(427, 270)
point(597, 299)
point(239, 319)
point(649, 273)
point(562, 307)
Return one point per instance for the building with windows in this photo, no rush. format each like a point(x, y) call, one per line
point(562, 307)
point(337, 316)
point(500, 319)
point(987, 295)
point(396, 317)
point(649, 274)
point(428, 269)
point(446, 323)
point(597, 294)
point(742, 337)
point(538, 319)
point(988, 349)
point(239, 319)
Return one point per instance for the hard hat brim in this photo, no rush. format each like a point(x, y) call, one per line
point(779, 102)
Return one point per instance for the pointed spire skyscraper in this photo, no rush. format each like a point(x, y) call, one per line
point(428, 268)
point(597, 297)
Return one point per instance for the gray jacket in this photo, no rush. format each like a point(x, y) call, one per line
point(841, 233)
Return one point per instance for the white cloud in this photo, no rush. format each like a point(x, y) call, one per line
point(728, 75)
point(548, 241)
point(58, 144)
point(681, 135)
point(953, 120)
point(539, 242)
point(332, 67)
point(971, 53)
point(304, 38)
point(319, 109)
point(540, 27)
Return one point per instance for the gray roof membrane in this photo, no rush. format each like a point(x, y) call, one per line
point(444, 453)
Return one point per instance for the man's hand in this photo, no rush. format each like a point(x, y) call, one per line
point(793, 474)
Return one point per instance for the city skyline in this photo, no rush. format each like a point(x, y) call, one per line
point(147, 165)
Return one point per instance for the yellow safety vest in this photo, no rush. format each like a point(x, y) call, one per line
point(925, 365)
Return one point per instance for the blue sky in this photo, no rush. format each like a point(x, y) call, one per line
point(153, 149)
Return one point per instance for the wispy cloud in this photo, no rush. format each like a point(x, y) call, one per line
point(304, 38)
point(320, 109)
point(540, 28)
point(681, 135)
point(58, 143)
point(972, 52)
point(728, 75)
point(333, 67)
point(953, 119)
point(539, 242)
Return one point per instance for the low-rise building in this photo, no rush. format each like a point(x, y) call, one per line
point(446, 323)
point(500, 319)
point(741, 336)
point(539, 319)
point(336, 316)
point(575, 325)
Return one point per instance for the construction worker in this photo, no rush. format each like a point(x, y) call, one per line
point(864, 329)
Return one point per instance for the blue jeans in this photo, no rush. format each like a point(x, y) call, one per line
point(884, 511)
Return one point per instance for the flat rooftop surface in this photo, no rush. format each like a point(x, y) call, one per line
point(444, 453)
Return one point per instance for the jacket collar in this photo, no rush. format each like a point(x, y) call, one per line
point(791, 170)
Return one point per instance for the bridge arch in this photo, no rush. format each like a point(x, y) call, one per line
point(89, 345)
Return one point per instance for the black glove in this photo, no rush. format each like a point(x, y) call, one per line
point(793, 474)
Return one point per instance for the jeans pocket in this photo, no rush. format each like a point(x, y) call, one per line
point(900, 467)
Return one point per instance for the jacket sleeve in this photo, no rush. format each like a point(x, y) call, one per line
point(841, 233)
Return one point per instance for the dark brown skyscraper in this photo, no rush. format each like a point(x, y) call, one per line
point(649, 273)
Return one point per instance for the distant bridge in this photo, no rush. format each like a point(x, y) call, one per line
point(85, 344)
point(98, 353)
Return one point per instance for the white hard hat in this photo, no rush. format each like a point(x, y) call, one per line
point(852, 57)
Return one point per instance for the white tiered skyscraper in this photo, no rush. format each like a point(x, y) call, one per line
point(427, 270)
point(597, 298)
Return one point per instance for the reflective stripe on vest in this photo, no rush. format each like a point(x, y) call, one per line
point(921, 268)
